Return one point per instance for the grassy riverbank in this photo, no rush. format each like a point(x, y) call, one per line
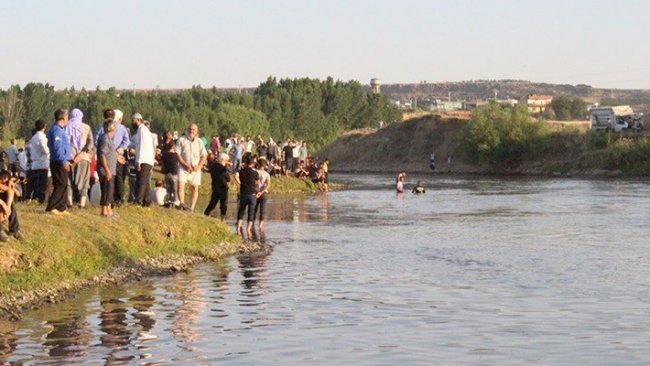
point(58, 250)
point(61, 254)
point(279, 185)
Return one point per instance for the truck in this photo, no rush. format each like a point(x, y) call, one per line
point(616, 118)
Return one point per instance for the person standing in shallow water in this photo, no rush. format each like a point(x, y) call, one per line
point(248, 180)
point(419, 188)
point(263, 187)
point(399, 182)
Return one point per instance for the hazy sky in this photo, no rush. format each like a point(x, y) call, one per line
point(171, 44)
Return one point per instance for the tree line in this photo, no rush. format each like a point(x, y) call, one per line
point(310, 109)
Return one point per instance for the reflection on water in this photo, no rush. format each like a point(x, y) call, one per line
point(477, 271)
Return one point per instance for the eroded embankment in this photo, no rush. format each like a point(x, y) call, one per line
point(62, 254)
point(407, 146)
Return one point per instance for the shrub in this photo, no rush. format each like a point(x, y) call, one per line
point(499, 134)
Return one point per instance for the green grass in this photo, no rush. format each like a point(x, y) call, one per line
point(279, 185)
point(81, 245)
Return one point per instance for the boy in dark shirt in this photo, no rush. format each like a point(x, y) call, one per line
point(170, 168)
point(248, 180)
point(419, 188)
point(220, 179)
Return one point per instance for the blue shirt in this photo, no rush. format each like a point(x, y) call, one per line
point(59, 143)
point(121, 139)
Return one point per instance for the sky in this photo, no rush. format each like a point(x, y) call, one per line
point(179, 43)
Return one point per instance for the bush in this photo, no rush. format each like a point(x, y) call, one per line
point(629, 155)
point(597, 140)
point(499, 134)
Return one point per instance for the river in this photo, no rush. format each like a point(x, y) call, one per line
point(476, 271)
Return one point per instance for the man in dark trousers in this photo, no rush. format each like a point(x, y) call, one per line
point(58, 142)
point(248, 180)
point(220, 180)
point(144, 159)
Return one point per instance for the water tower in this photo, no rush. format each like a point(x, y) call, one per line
point(376, 85)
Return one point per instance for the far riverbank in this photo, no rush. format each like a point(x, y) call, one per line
point(568, 151)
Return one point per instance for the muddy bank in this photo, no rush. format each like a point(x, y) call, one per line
point(406, 146)
point(14, 303)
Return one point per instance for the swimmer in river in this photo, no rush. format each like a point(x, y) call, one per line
point(399, 182)
point(419, 188)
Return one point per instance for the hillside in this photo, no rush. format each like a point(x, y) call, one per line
point(482, 89)
point(407, 145)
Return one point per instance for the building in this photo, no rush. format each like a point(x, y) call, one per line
point(538, 103)
point(446, 105)
point(474, 104)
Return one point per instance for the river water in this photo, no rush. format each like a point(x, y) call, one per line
point(477, 271)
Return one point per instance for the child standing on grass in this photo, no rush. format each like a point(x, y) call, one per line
point(170, 169)
point(107, 159)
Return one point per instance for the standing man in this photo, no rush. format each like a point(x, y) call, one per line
point(121, 141)
point(302, 152)
point(271, 151)
point(215, 145)
point(144, 159)
point(81, 174)
point(12, 157)
point(192, 155)
point(220, 179)
point(107, 159)
point(287, 157)
point(40, 153)
point(59, 145)
point(248, 180)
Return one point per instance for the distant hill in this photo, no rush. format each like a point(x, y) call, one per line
point(483, 89)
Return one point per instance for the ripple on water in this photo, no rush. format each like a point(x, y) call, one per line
point(480, 271)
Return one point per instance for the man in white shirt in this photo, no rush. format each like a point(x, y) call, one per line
point(12, 157)
point(40, 154)
point(144, 159)
point(192, 155)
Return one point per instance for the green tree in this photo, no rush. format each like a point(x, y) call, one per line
point(501, 135)
point(562, 107)
point(578, 108)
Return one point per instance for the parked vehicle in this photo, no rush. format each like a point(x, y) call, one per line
point(617, 118)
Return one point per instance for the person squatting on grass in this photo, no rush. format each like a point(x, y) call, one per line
point(8, 196)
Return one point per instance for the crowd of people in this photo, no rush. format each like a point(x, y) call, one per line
point(71, 163)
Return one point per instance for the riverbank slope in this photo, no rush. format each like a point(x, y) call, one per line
point(407, 145)
point(62, 254)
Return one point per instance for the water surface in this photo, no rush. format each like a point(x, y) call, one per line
point(477, 271)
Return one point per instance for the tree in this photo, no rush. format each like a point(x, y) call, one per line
point(578, 108)
point(501, 135)
point(562, 107)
